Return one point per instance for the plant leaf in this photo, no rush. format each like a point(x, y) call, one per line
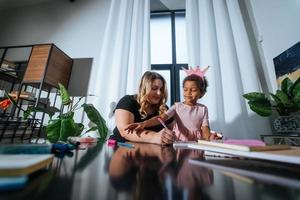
point(53, 130)
point(284, 99)
point(295, 88)
point(286, 85)
point(275, 98)
point(92, 129)
point(65, 97)
point(79, 128)
point(96, 118)
point(67, 128)
point(261, 107)
point(278, 105)
point(254, 96)
point(296, 100)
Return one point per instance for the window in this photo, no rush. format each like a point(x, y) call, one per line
point(168, 50)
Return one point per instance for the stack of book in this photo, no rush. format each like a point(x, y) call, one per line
point(8, 67)
point(17, 161)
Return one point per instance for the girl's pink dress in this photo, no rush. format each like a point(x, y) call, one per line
point(189, 120)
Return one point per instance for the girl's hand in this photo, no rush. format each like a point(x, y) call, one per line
point(215, 136)
point(134, 127)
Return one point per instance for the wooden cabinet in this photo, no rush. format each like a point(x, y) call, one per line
point(42, 69)
point(48, 65)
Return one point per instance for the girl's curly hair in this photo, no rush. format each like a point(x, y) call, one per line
point(144, 90)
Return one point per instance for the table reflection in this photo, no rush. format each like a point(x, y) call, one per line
point(150, 171)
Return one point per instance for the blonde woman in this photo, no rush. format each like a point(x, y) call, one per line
point(149, 102)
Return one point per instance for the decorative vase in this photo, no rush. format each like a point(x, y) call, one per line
point(287, 124)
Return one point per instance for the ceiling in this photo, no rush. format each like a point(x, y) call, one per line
point(6, 4)
point(155, 5)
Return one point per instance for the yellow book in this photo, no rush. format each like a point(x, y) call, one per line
point(23, 164)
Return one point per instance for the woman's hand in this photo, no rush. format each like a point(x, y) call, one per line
point(167, 136)
point(134, 127)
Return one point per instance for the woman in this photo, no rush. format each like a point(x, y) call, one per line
point(149, 102)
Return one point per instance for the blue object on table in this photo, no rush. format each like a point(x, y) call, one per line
point(12, 182)
point(124, 144)
point(62, 147)
point(30, 148)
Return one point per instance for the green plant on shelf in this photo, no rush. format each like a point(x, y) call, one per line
point(63, 126)
point(285, 101)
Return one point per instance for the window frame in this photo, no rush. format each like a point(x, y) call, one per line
point(173, 67)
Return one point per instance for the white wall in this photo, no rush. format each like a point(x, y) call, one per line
point(76, 28)
point(277, 24)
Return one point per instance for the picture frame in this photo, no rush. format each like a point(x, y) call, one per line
point(287, 64)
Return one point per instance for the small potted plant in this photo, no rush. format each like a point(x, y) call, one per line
point(285, 102)
point(63, 126)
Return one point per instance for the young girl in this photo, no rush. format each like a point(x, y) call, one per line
point(191, 117)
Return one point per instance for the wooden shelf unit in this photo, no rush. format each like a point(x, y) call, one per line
point(48, 65)
point(45, 67)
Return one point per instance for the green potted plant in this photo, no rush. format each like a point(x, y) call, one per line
point(285, 102)
point(64, 125)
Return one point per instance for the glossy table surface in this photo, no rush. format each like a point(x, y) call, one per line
point(150, 171)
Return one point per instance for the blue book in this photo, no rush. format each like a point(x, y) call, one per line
point(25, 149)
point(12, 182)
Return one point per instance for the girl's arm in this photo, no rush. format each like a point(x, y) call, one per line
point(154, 120)
point(205, 132)
point(147, 123)
point(205, 127)
point(124, 118)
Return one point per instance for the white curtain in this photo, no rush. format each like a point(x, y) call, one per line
point(125, 54)
point(216, 36)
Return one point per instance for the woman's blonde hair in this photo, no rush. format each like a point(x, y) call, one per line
point(144, 90)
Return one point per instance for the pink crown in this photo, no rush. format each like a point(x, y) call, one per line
point(196, 71)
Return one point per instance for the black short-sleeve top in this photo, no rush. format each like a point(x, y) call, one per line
point(129, 103)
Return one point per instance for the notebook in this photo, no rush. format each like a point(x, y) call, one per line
point(244, 146)
point(23, 164)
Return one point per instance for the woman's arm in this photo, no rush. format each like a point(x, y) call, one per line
point(124, 118)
